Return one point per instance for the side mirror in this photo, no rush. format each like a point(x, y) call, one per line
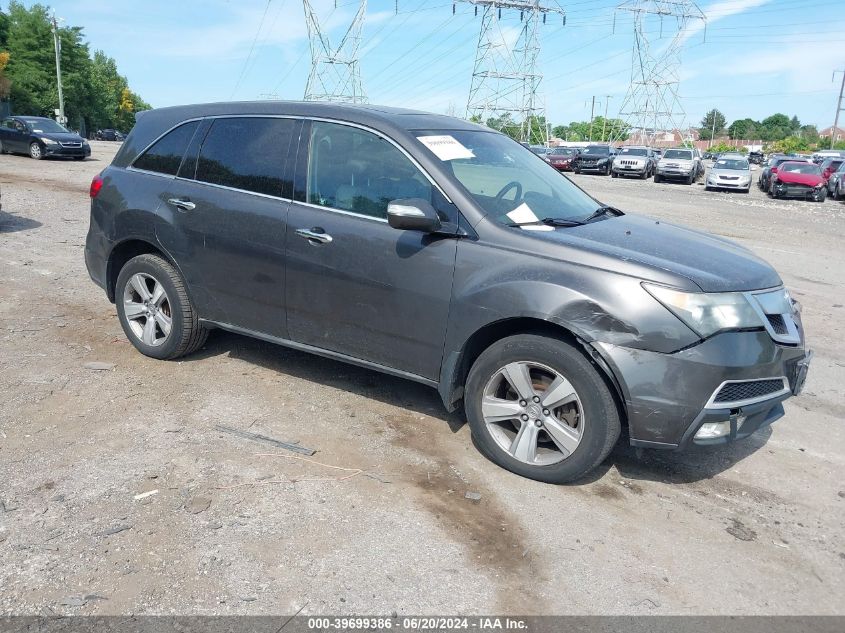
point(413, 214)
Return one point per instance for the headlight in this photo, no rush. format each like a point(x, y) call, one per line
point(48, 141)
point(707, 313)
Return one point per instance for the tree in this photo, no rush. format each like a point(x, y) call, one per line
point(711, 120)
point(93, 89)
point(744, 129)
point(776, 127)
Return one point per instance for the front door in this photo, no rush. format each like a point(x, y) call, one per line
point(356, 285)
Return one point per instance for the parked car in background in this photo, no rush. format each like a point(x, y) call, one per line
point(829, 166)
point(756, 158)
point(798, 179)
point(596, 159)
point(107, 134)
point(378, 237)
point(819, 157)
point(40, 137)
point(763, 180)
point(634, 161)
point(679, 164)
point(540, 150)
point(729, 173)
point(561, 158)
point(836, 183)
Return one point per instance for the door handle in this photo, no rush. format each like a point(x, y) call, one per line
point(316, 234)
point(184, 205)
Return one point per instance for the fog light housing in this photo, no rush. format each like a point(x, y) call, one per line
point(712, 430)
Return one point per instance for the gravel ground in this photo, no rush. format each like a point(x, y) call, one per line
point(233, 526)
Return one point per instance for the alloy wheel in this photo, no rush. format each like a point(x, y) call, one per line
point(35, 150)
point(147, 309)
point(533, 413)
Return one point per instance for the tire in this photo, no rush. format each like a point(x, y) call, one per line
point(35, 151)
point(2, 149)
point(613, 174)
point(707, 188)
point(658, 178)
point(747, 191)
point(186, 334)
point(79, 158)
point(690, 179)
point(644, 175)
point(821, 197)
point(593, 415)
point(577, 170)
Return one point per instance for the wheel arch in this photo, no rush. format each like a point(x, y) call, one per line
point(122, 253)
point(457, 366)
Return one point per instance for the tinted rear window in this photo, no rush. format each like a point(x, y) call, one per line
point(246, 153)
point(165, 155)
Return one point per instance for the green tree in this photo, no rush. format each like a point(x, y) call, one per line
point(789, 145)
point(713, 119)
point(776, 127)
point(744, 129)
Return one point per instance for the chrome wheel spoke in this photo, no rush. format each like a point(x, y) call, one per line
point(519, 378)
point(524, 445)
point(134, 310)
point(149, 333)
point(564, 436)
point(560, 392)
point(157, 295)
point(498, 410)
point(140, 285)
point(164, 322)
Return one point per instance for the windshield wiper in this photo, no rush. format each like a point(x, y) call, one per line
point(602, 211)
point(549, 222)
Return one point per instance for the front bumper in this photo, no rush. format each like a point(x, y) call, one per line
point(668, 397)
point(598, 168)
point(630, 170)
point(718, 183)
point(60, 150)
point(674, 174)
point(783, 190)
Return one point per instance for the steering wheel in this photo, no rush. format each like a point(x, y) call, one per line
point(513, 184)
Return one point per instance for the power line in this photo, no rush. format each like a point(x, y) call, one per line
point(251, 48)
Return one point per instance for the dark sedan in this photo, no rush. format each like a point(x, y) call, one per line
point(39, 137)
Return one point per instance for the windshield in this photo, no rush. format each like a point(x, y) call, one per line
point(731, 163)
point(800, 168)
point(507, 182)
point(678, 153)
point(597, 149)
point(562, 151)
point(45, 126)
point(635, 151)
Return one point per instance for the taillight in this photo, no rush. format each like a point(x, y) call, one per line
point(96, 185)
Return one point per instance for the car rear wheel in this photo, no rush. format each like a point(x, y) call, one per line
point(155, 311)
point(35, 151)
point(537, 407)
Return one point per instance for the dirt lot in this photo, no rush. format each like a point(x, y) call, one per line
point(236, 527)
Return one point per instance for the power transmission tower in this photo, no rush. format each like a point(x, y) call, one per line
point(335, 72)
point(652, 103)
point(505, 77)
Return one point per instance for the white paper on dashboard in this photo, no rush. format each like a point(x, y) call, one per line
point(523, 214)
point(446, 147)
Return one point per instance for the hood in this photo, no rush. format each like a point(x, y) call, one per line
point(61, 137)
point(712, 263)
point(675, 161)
point(811, 180)
point(591, 156)
point(740, 173)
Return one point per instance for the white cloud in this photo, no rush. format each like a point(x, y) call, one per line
point(719, 11)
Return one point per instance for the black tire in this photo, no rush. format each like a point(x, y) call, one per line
point(602, 422)
point(690, 179)
point(577, 170)
point(658, 178)
point(186, 335)
point(79, 158)
point(2, 149)
point(821, 197)
point(613, 174)
point(35, 151)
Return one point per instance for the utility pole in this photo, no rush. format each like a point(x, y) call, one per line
point(604, 123)
point(57, 43)
point(592, 115)
point(713, 131)
point(838, 107)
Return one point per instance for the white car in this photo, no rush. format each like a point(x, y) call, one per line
point(729, 172)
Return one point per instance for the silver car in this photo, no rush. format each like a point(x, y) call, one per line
point(729, 173)
point(836, 183)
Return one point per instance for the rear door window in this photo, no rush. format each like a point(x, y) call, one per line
point(165, 155)
point(248, 153)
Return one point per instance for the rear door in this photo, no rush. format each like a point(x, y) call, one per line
point(227, 219)
point(13, 134)
point(356, 285)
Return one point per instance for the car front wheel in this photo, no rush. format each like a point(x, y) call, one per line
point(155, 311)
point(35, 151)
point(537, 407)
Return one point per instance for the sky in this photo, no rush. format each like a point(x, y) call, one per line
point(755, 58)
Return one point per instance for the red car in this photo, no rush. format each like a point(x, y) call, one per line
point(829, 166)
point(796, 179)
point(561, 157)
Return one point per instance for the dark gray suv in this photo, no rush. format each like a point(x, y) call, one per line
point(437, 250)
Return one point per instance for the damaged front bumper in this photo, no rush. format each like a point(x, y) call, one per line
point(723, 389)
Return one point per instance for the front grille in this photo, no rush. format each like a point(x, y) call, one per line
point(729, 177)
point(71, 144)
point(632, 163)
point(736, 391)
point(588, 162)
point(778, 323)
